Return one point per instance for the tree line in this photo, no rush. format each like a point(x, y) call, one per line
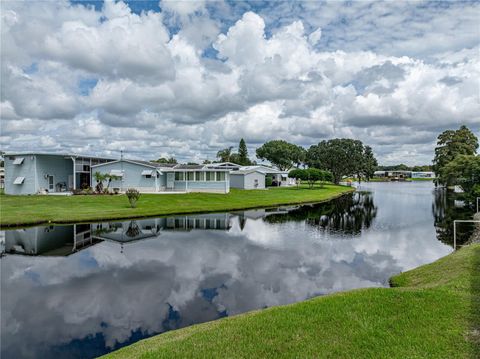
point(340, 157)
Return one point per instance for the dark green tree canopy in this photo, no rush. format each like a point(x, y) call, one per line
point(369, 163)
point(450, 144)
point(166, 160)
point(282, 154)
point(340, 156)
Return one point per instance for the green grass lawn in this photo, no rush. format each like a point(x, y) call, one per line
point(26, 210)
point(431, 312)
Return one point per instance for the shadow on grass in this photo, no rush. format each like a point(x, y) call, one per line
point(475, 292)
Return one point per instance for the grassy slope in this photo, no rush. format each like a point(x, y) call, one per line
point(434, 312)
point(24, 210)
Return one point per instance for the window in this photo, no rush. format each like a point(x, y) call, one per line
point(18, 161)
point(147, 173)
point(220, 176)
point(179, 176)
point(210, 176)
point(199, 176)
point(118, 173)
point(190, 176)
point(148, 176)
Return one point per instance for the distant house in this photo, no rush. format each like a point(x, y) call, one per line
point(30, 173)
point(423, 174)
point(159, 177)
point(403, 175)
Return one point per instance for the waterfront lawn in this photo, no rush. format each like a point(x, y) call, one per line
point(432, 312)
point(25, 210)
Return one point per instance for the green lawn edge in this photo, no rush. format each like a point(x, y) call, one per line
point(430, 312)
point(18, 211)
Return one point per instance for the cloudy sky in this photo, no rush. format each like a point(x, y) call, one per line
point(186, 79)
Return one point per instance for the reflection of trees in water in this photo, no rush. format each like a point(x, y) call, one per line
point(348, 214)
point(445, 212)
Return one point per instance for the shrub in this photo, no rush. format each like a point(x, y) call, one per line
point(268, 181)
point(133, 195)
point(298, 174)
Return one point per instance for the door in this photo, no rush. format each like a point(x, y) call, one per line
point(51, 186)
point(170, 180)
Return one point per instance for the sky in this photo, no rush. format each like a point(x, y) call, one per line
point(186, 79)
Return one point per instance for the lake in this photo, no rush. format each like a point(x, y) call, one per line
point(79, 291)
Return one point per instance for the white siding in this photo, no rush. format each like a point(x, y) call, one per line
point(247, 181)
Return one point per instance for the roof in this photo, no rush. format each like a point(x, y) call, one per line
point(245, 172)
point(223, 165)
point(141, 163)
point(54, 154)
point(189, 167)
point(263, 169)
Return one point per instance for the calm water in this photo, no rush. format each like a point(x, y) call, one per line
point(84, 290)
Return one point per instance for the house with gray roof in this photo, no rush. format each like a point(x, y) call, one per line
point(152, 177)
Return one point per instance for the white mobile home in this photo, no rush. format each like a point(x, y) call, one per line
point(156, 177)
point(30, 173)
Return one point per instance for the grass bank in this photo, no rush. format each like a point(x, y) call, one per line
point(29, 210)
point(431, 312)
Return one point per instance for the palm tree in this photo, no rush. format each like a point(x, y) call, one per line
point(99, 178)
point(225, 154)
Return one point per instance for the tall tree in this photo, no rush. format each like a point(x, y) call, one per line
point(243, 154)
point(450, 144)
point(282, 154)
point(369, 163)
point(225, 154)
point(340, 156)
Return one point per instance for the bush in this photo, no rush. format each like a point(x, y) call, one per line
point(310, 175)
point(133, 195)
point(268, 181)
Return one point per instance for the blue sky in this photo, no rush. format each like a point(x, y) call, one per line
point(186, 79)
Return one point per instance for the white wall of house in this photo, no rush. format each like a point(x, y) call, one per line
point(251, 180)
point(132, 176)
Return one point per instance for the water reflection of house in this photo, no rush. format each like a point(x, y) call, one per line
point(65, 240)
point(49, 240)
point(135, 230)
point(128, 231)
point(220, 221)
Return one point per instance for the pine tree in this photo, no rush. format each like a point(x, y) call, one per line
point(243, 153)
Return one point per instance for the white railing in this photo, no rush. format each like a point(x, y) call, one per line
point(455, 228)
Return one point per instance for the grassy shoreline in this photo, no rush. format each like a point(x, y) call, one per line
point(18, 211)
point(432, 311)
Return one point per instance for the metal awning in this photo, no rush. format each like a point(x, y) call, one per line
point(19, 180)
point(147, 172)
point(18, 161)
point(118, 173)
